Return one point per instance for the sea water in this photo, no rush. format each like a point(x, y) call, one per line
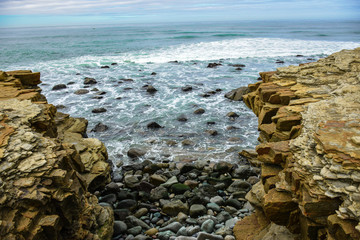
point(179, 55)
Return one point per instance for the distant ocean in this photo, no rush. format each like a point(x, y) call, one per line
point(69, 54)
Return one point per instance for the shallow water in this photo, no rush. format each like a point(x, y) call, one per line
point(70, 54)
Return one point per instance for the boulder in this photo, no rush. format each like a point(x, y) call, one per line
point(237, 94)
point(100, 128)
point(173, 208)
point(136, 152)
point(154, 125)
point(89, 81)
point(59, 87)
point(197, 210)
point(199, 111)
point(98, 110)
point(81, 91)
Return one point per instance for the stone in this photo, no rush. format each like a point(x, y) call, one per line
point(232, 115)
point(182, 118)
point(197, 210)
point(136, 152)
point(174, 227)
point(137, 222)
point(237, 94)
point(229, 237)
point(182, 232)
point(170, 182)
point(217, 200)
point(158, 193)
point(213, 65)
point(223, 216)
point(212, 132)
point(239, 185)
point(59, 87)
point(231, 222)
point(153, 125)
point(89, 81)
point(199, 111)
point(179, 188)
point(187, 88)
point(81, 91)
point(181, 217)
point(119, 228)
point(234, 203)
point(100, 128)
point(127, 204)
point(213, 206)
point(187, 142)
point(191, 230)
point(207, 236)
point(165, 235)
point(208, 226)
point(173, 208)
point(98, 110)
point(105, 66)
point(134, 230)
point(157, 179)
point(141, 212)
point(151, 89)
point(152, 232)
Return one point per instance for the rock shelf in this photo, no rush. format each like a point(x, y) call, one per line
point(309, 123)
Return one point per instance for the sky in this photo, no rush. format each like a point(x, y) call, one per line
point(27, 13)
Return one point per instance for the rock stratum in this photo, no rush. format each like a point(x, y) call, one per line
point(309, 123)
point(47, 168)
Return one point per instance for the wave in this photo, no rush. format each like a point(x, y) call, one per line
point(229, 35)
point(185, 37)
point(225, 49)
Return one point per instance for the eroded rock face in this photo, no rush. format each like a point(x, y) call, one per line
point(309, 122)
point(47, 168)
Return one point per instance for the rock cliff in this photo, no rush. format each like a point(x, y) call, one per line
point(309, 123)
point(47, 169)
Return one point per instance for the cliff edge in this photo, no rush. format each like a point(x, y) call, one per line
point(309, 123)
point(47, 168)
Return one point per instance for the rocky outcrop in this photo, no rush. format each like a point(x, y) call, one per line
point(309, 123)
point(47, 168)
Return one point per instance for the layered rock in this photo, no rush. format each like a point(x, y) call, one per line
point(47, 168)
point(309, 123)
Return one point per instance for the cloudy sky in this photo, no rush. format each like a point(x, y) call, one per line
point(66, 12)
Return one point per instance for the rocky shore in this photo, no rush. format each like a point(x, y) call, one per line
point(302, 182)
point(309, 123)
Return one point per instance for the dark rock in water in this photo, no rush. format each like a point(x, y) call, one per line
point(176, 61)
point(119, 228)
point(218, 90)
point(114, 64)
point(94, 90)
point(127, 88)
point(101, 93)
point(121, 214)
point(98, 110)
point(182, 118)
point(59, 87)
point(237, 65)
point(110, 198)
point(127, 79)
point(231, 128)
point(118, 98)
point(77, 74)
point(104, 67)
point(238, 69)
point(232, 115)
point(311, 59)
point(60, 107)
point(199, 111)
point(81, 91)
point(237, 94)
point(206, 95)
point(100, 128)
point(126, 204)
point(88, 81)
point(279, 61)
point(210, 123)
point(299, 55)
point(70, 83)
point(212, 132)
point(213, 65)
point(136, 152)
point(97, 97)
point(151, 89)
point(153, 125)
point(179, 188)
point(187, 88)
point(153, 73)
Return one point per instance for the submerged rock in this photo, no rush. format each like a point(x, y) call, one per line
point(100, 128)
point(59, 87)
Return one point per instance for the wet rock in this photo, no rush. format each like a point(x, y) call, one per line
point(232, 115)
point(81, 92)
point(182, 118)
point(105, 66)
point(179, 188)
point(213, 206)
point(223, 167)
point(174, 227)
point(211, 123)
point(237, 94)
point(158, 193)
point(229, 237)
point(187, 142)
point(187, 88)
point(131, 181)
point(239, 185)
point(213, 65)
point(153, 73)
point(191, 183)
point(134, 230)
point(137, 222)
point(197, 210)
point(127, 204)
point(100, 128)
point(89, 81)
point(153, 125)
point(97, 97)
point(59, 87)
point(157, 179)
point(101, 93)
point(70, 83)
point(58, 107)
point(212, 132)
point(217, 200)
point(223, 216)
point(151, 89)
point(152, 232)
point(98, 110)
point(165, 235)
point(119, 227)
point(174, 207)
point(127, 79)
point(237, 65)
point(234, 203)
point(114, 64)
point(207, 236)
point(199, 111)
point(94, 90)
point(279, 61)
point(141, 212)
point(208, 226)
point(136, 152)
point(110, 198)
point(243, 172)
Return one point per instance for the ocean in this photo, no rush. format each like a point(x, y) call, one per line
point(168, 57)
